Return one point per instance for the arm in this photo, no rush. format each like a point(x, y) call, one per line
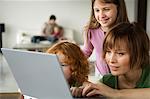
point(88, 47)
point(102, 89)
point(139, 93)
point(43, 29)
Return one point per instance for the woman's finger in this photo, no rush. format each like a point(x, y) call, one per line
point(87, 89)
point(76, 92)
point(93, 92)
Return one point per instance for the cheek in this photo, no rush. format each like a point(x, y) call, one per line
point(96, 15)
point(113, 15)
point(106, 58)
point(126, 63)
point(67, 72)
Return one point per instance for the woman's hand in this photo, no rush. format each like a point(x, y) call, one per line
point(76, 91)
point(91, 89)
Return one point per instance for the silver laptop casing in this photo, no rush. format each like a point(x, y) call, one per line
point(37, 74)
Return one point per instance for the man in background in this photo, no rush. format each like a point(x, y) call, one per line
point(47, 31)
point(48, 27)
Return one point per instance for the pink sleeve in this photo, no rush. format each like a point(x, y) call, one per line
point(88, 47)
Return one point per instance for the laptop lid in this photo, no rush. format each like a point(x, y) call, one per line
point(37, 74)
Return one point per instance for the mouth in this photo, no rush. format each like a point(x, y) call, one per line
point(104, 21)
point(114, 68)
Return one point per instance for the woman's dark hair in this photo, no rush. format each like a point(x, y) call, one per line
point(134, 37)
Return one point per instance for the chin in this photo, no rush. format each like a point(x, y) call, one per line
point(105, 25)
point(115, 73)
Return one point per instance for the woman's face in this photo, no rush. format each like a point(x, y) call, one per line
point(105, 13)
point(66, 68)
point(118, 61)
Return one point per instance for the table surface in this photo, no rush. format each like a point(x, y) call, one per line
point(7, 81)
point(8, 85)
point(32, 46)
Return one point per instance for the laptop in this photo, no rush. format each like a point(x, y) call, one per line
point(37, 74)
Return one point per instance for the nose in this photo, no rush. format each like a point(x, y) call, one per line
point(102, 14)
point(112, 58)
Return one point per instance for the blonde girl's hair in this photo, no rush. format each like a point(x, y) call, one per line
point(121, 15)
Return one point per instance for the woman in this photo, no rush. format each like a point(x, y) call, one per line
point(126, 51)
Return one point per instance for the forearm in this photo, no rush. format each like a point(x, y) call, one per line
point(137, 93)
point(87, 51)
point(143, 93)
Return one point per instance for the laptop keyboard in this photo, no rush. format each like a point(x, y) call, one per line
point(99, 97)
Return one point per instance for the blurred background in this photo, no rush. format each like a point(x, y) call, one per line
point(29, 15)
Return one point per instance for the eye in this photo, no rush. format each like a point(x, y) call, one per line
point(108, 52)
point(106, 9)
point(120, 54)
point(63, 65)
point(96, 10)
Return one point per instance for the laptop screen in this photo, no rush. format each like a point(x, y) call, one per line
point(37, 74)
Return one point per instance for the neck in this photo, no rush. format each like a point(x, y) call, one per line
point(105, 29)
point(130, 79)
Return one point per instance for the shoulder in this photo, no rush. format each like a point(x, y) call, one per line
point(146, 70)
point(108, 77)
point(45, 24)
point(144, 81)
point(109, 80)
point(146, 76)
point(147, 67)
point(96, 31)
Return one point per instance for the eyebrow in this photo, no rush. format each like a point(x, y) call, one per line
point(116, 49)
point(122, 50)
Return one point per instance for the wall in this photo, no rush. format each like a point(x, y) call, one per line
point(148, 17)
point(30, 15)
point(131, 9)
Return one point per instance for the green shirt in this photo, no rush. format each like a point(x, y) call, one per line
point(144, 82)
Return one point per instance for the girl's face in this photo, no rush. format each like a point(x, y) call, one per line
point(56, 29)
point(105, 13)
point(118, 61)
point(66, 68)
